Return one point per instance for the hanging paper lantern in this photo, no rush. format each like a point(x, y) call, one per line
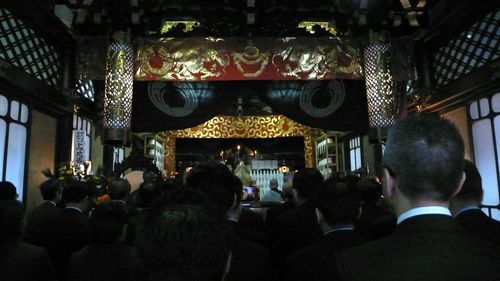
point(118, 90)
point(382, 106)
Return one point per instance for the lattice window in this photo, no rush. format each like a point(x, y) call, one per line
point(22, 47)
point(355, 153)
point(470, 50)
point(14, 126)
point(484, 116)
point(85, 88)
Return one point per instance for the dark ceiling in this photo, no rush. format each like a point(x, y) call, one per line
point(253, 17)
point(430, 23)
point(272, 18)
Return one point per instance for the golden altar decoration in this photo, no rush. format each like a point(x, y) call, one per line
point(269, 126)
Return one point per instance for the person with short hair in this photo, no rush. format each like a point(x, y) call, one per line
point(106, 258)
point(376, 219)
point(338, 205)
point(186, 243)
point(297, 228)
point(8, 191)
point(224, 192)
point(422, 169)
point(119, 190)
point(465, 207)
point(273, 194)
point(73, 231)
point(274, 212)
point(41, 221)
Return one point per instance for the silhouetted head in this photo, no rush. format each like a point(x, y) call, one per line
point(220, 185)
point(306, 181)
point(185, 243)
point(7, 191)
point(370, 190)
point(51, 189)
point(472, 189)
point(338, 201)
point(150, 194)
point(119, 189)
point(107, 222)
point(75, 191)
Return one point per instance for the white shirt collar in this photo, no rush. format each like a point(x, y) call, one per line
point(75, 208)
point(466, 209)
point(430, 210)
point(121, 201)
point(51, 202)
point(338, 229)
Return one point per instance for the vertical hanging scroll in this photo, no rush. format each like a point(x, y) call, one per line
point(118, 90)
point(382, 106)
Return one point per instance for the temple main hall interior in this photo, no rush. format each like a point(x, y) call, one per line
point(121, 88)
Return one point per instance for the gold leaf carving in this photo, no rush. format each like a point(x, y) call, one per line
point(271, 126)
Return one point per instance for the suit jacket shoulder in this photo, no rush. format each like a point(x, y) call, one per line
point(296, 228)
point(427, 247)
point(105, 262)
point(24, 262)
point(315, 262)
point(478, 223)
point(41, 224)
point(249, 261)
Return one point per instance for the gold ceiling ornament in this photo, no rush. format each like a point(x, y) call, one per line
point(347, 59)
point(199, 61)
point(303, 65)
point(309, 25)
point(270, 126)
point(189, 25)
point(251, 57)
point(155, 59)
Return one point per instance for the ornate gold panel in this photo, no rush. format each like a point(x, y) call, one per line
point(271, 126)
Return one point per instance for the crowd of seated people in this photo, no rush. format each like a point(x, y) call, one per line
point(334, 229)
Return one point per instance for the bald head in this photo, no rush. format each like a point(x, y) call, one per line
point(119, 189)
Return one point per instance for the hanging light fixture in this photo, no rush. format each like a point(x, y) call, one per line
point(382, 106)
point(118, 90)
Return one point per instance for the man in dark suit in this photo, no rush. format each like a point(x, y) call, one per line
point(297, 227)
point(275, 211)
point(73, 231)
point(248, 260)
point(465, 207)
point(422, 169)
point(119, 190)
point(20, 261)
point(106, 258)
point(337, 209)
point(375, 220)
point(41, 221)
point(184, 242)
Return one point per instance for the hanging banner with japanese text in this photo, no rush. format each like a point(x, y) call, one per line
point(81, 144)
